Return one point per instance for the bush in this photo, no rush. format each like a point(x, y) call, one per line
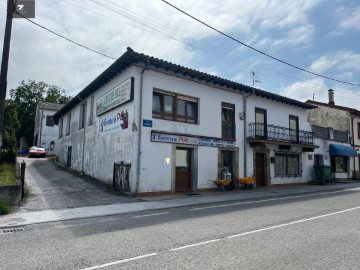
point(4, 209)
point(9, 156)
point(7, 175)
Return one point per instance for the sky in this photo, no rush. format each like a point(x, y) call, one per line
point(316, 35)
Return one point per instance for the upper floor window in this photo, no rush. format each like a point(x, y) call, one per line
point(260, 122)
point(294, 128)
point(82, 115)
point(358, 130)
point(91, 118)
point(68, 124)
point(228, 121)
point(175, 107)
point(61, 127)
point(49, 121)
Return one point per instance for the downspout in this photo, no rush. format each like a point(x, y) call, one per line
point(41, 122)
point(353, 140)
point(83, 148)
point(245, 131)
point(138, 161)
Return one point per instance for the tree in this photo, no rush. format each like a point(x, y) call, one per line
point(11, 127)
point(26, 96)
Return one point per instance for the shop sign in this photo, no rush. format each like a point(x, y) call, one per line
point(192, 140)
point(115, 97)
point(114, 122)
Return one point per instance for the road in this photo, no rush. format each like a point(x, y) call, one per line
point(52, 187)
point(304, 232)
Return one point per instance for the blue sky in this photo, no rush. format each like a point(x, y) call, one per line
point(321, 36)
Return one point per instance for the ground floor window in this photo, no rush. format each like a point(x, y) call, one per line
point(287, 164)
point(339, 164)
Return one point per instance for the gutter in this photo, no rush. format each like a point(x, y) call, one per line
point(138, 161)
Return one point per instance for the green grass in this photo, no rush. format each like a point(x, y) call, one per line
point(7, 175)
point(4, 209)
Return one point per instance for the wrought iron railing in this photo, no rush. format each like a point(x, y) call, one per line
point(341, 136)
point(330, 134)
point(277, 133)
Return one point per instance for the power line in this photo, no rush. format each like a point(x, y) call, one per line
point(76, 43)
point(254, 49)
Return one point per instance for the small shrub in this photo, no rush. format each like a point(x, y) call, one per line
point(4, 209)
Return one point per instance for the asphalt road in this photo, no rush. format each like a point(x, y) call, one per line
point(52, 187)
point(310, 232)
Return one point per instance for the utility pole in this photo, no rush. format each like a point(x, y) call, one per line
point(4, 66)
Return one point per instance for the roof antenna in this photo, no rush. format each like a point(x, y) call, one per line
point(254, 79)
point(314, 96)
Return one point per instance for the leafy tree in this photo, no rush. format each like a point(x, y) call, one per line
point(26, 96)
point(11, 127)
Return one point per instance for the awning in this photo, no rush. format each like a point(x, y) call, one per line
point(342, 150)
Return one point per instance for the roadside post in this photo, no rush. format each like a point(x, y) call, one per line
point(22, 178)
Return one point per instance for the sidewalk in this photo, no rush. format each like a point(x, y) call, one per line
point(171, 201)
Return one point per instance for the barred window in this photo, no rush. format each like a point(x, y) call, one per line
point(287, 164)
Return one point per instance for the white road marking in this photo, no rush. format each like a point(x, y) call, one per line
point(293, 222)
point(149, 215)
point(269, 200)
point(193, 245)
point(121, 261)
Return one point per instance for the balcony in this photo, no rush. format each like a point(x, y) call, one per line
point(269, 133)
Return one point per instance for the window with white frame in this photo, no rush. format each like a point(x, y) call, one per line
point(287, 164)
point(68, 124)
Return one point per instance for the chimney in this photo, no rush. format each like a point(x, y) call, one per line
point(331, 97)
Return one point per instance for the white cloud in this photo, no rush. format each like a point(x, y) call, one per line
point(344, 61)
point(350, 19)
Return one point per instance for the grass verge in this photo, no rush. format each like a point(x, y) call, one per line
point(4, 209)
point(7, 175)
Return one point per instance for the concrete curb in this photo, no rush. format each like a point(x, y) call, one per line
point(44, 216)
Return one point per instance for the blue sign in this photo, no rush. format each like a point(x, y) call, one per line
point(147, 123)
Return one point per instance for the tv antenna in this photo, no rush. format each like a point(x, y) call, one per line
point(254, 78)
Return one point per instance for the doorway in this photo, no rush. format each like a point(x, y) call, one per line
point(183, 169)
point(260, 168)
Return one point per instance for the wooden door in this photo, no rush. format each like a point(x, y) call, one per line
point(69, 156)
point(260, 170)
point(183, 170)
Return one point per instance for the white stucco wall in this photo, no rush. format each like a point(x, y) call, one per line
point(47, 134)
point(101, 151)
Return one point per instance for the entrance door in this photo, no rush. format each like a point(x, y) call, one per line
point(260, 169)
point(69, 156)
point(183, 170)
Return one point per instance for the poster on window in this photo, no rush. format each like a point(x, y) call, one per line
point(114, 122)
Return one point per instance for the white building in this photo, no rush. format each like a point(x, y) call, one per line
point(337, 132)
point(45, 131)
point(168, 128)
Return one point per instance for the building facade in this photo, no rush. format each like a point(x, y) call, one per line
point(150, 126)
point(45, 131)
point(335, 130)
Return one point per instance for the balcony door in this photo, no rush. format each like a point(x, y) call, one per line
point(294, 128)
point(260, 123)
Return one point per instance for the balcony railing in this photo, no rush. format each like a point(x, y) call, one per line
point(330, 134)
point(281, 134)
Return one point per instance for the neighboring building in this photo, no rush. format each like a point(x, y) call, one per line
point(45, 131)
point(150, 126)
point(336, 131)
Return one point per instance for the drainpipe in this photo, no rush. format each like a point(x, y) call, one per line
point(138, 161)
point(40, 132)
point(353, 138)
point(83, 148)
point(245, 131)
